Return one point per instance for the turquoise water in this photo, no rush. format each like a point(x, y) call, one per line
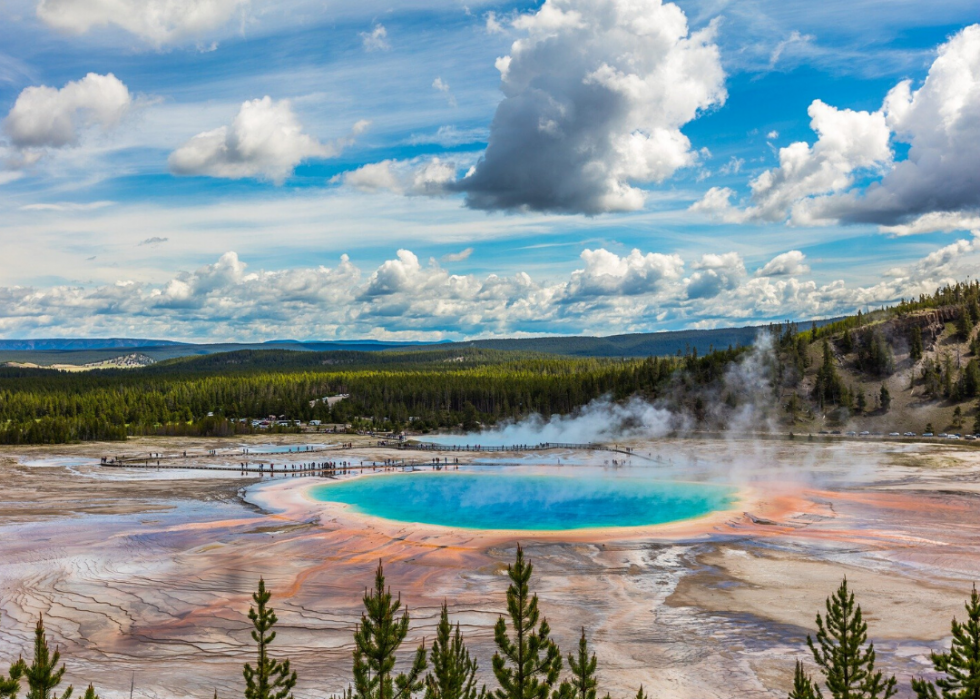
point(504, 500)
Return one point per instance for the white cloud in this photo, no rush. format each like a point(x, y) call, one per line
point(405, 297)
point(937, 184)
point(443, 87)
point(732, 167)
point(608, 274)
point(458, 256)
point(265, 141)
point(448, 136)
point(48, 117)
point(376, 39)
point(68, 206)
point(772, 135)
point(157, 21)
point(595, 95)
point(409, 177)
point(493, 24)
point(794, 43)
point(943, 221)
point(715, 273)
point(787, 264)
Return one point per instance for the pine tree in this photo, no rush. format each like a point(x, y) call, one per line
point(961, 665)
point(848, 666)
point(528, 665)
point(583, 668)
point(90, 693)
point(803, 686)
point(270, 678)
point(453, 673)
point(884, 398)
point(375, 644)
point(10, 684)
point(915, 346)
point(640, 694)
point(43, 674)
point(964, 324)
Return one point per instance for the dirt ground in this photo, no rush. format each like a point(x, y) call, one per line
point(144, 576)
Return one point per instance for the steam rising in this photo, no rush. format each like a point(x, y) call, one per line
point(744, 401)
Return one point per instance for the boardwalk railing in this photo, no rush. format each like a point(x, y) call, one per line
point(543, 446)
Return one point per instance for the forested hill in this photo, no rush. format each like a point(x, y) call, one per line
point(634, 345)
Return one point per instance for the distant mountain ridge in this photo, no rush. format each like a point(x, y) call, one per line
point(82, 351)
point(63, 344)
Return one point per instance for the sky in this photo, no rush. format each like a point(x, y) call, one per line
point(248, 170)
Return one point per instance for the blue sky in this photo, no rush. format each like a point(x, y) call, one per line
point(432, 169)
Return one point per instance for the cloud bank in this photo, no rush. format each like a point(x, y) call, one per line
point(408, 298)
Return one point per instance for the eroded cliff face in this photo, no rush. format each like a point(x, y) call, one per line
point(149, 575)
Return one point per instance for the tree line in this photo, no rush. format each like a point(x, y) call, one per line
point(528, 663)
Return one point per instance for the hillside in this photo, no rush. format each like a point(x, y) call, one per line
point(924, 353)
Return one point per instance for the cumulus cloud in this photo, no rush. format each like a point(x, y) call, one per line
point(376, 39)
point(155, 240)
point(414, 299)
point(608, 274)
point(415, 177)
point(595, 95)
point(156, 21)
point(937, 184)
point(787, 264)
point(49, 117)
point(715, 273)
point(265, 141)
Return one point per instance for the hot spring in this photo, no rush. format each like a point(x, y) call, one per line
point(515, 500)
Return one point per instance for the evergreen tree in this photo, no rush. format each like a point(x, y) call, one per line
point(527, 666)
point(915, 344)
point(848, 665)
point(453, 673)
point(964, 324)
point(10, 684)
point(803, 686)
point(376, 643)
point(884, 398)
point(583, 668)
point(43, 674)
point(960, 666)
point(90, 693)
point(270, 678)
point(640, 693)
